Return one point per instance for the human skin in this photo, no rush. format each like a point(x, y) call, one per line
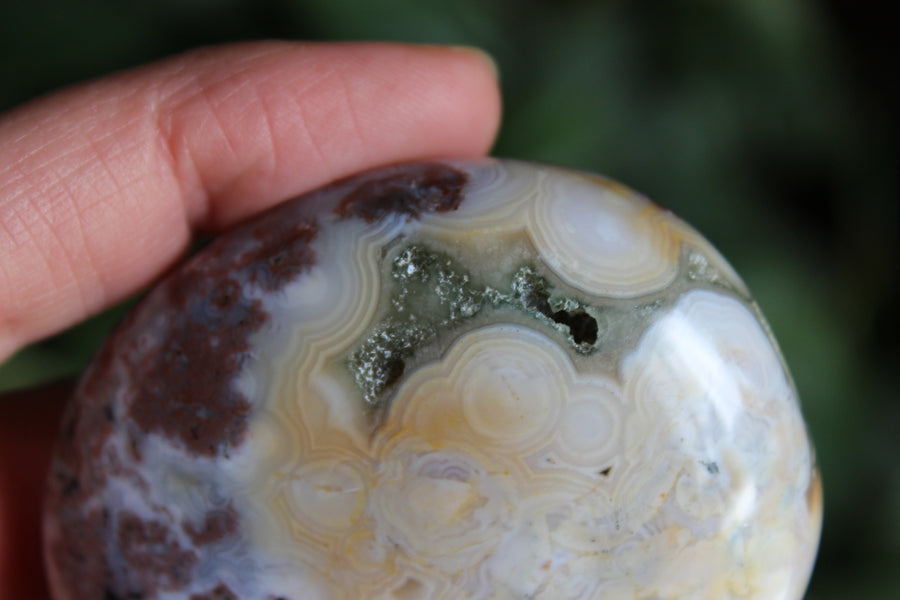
point(103, 186)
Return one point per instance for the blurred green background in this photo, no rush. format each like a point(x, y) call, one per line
point(771, 125)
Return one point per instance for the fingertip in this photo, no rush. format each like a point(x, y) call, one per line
point(481, 89)
point(482, 56)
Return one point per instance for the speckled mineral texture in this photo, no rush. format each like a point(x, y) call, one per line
point(486, 380)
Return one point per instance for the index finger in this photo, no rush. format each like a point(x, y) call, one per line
point(101, 186)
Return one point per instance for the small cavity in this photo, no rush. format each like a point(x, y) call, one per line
point(533, 292)
point(711, 467)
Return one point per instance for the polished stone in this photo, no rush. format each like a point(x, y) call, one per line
point(489, 380)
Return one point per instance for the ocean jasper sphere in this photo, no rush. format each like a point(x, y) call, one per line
point(453, 380)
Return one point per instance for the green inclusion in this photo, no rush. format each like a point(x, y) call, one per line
point(431, 293)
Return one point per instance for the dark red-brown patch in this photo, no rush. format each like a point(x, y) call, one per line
point(220, 592)
point(186, 391)
point(284, 252)
point(174, 377)
point(407, 189)
point(153, 558)
point(217, 525)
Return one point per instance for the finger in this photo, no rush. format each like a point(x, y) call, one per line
point(27, 425)
point(102, 185)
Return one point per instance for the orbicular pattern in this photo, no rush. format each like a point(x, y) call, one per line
point(487, 380)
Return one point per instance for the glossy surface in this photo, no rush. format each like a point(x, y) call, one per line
point(487, 380)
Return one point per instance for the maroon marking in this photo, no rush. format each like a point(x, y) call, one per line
point(174, 380)
point(153, 559)
point(406, 189)
point(217, 525)
point(186, 389)
point(284, 252)
point(220, 592)
point(172, 376)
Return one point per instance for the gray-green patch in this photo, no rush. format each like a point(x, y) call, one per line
point(432, 293)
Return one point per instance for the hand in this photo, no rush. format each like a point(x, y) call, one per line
point(103, 185)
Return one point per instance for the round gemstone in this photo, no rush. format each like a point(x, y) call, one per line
point(488, 380)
